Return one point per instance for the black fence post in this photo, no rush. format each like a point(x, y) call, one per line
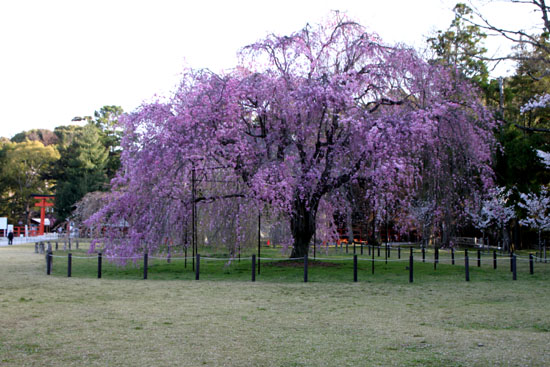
point(145, 264)
point(99, 257)
point(399, 252)
point(369, 248)
point(354, 250)
point(423, 254)
point(185, 258)
point(389, 251)
point(361, 244)
point(197, 268)
point(452, 256)
point(355, 268)
point(512, 261)
point(372, 262)
point(466, 265)
point(478, 258)
point(378, 251)
point(494, 259)
point(531, 270)
point(436, 257)
point(411, 262)
point(346, 247)
point(69, 265)
point(314, 249)
point(253, 267)
point(305, 269)
point(514, 267)
point(48, 262)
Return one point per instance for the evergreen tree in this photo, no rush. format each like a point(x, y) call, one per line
point(80, 169)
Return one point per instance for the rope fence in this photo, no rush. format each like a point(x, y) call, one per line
point(255, 261)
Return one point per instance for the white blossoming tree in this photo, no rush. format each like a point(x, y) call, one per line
point(494, 212)
point(538, 211)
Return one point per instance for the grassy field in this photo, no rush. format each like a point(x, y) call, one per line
point(226, 320)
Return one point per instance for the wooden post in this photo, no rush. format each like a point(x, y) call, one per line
point(514, 267)
point(193, 222)
point(452, 256)
point(259, 249)
point(411, 264)
point(466, 265)
point(197, 267)
point(314, 243)
point(305, 268)
point(253, 267)
point(372, 262)
point(355, 268)
point(99, 265)
point(48, 262)
point(145, 264)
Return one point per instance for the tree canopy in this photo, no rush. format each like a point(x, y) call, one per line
point(297, 120)
point(23, 171)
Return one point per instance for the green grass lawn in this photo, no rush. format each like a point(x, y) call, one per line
point(226, 320)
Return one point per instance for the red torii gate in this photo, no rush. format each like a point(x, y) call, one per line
point(43, 202)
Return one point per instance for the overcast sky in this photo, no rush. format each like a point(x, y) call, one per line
point(61, 59)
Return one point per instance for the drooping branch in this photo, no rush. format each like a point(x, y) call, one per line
point(532, 129)
point(218, 197)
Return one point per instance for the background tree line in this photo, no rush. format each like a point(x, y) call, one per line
point(68, 162)
point(518, 103)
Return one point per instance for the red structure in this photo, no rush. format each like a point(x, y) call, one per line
point(43, 202)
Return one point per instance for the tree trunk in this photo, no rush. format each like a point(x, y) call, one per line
point(302, 226)
point(505, 239)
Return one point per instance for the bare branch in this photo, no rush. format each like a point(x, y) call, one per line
point(532, 129)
